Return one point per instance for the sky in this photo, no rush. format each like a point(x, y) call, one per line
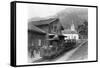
point(39, 10)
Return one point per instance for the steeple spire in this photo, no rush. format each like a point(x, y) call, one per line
point(72, 26)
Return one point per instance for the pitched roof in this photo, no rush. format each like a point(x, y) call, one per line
point(36, 29)
point(69, 32)
point(43, 22)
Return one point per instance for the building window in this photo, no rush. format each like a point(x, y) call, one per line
point(55, 28)
point(51, 28)
point(39, 41)
point(74, 37)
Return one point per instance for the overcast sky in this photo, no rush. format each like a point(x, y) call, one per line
point(38, 10)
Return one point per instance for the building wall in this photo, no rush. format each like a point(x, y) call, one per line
point(71, 36)
point(44, 27)
point(33, 38)
point(54, 27)
point(35, 41)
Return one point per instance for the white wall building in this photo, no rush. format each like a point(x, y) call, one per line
point(70, 33)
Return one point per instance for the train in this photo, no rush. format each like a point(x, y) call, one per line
point(56, 46)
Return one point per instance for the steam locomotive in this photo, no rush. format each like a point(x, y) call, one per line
point(56, 45)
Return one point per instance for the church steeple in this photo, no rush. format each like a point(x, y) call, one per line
point(72, 26)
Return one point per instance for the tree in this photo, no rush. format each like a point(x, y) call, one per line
point(83, 30)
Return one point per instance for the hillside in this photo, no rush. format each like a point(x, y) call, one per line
point(69, 15)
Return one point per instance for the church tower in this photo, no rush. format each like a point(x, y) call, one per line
point(73, 26)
